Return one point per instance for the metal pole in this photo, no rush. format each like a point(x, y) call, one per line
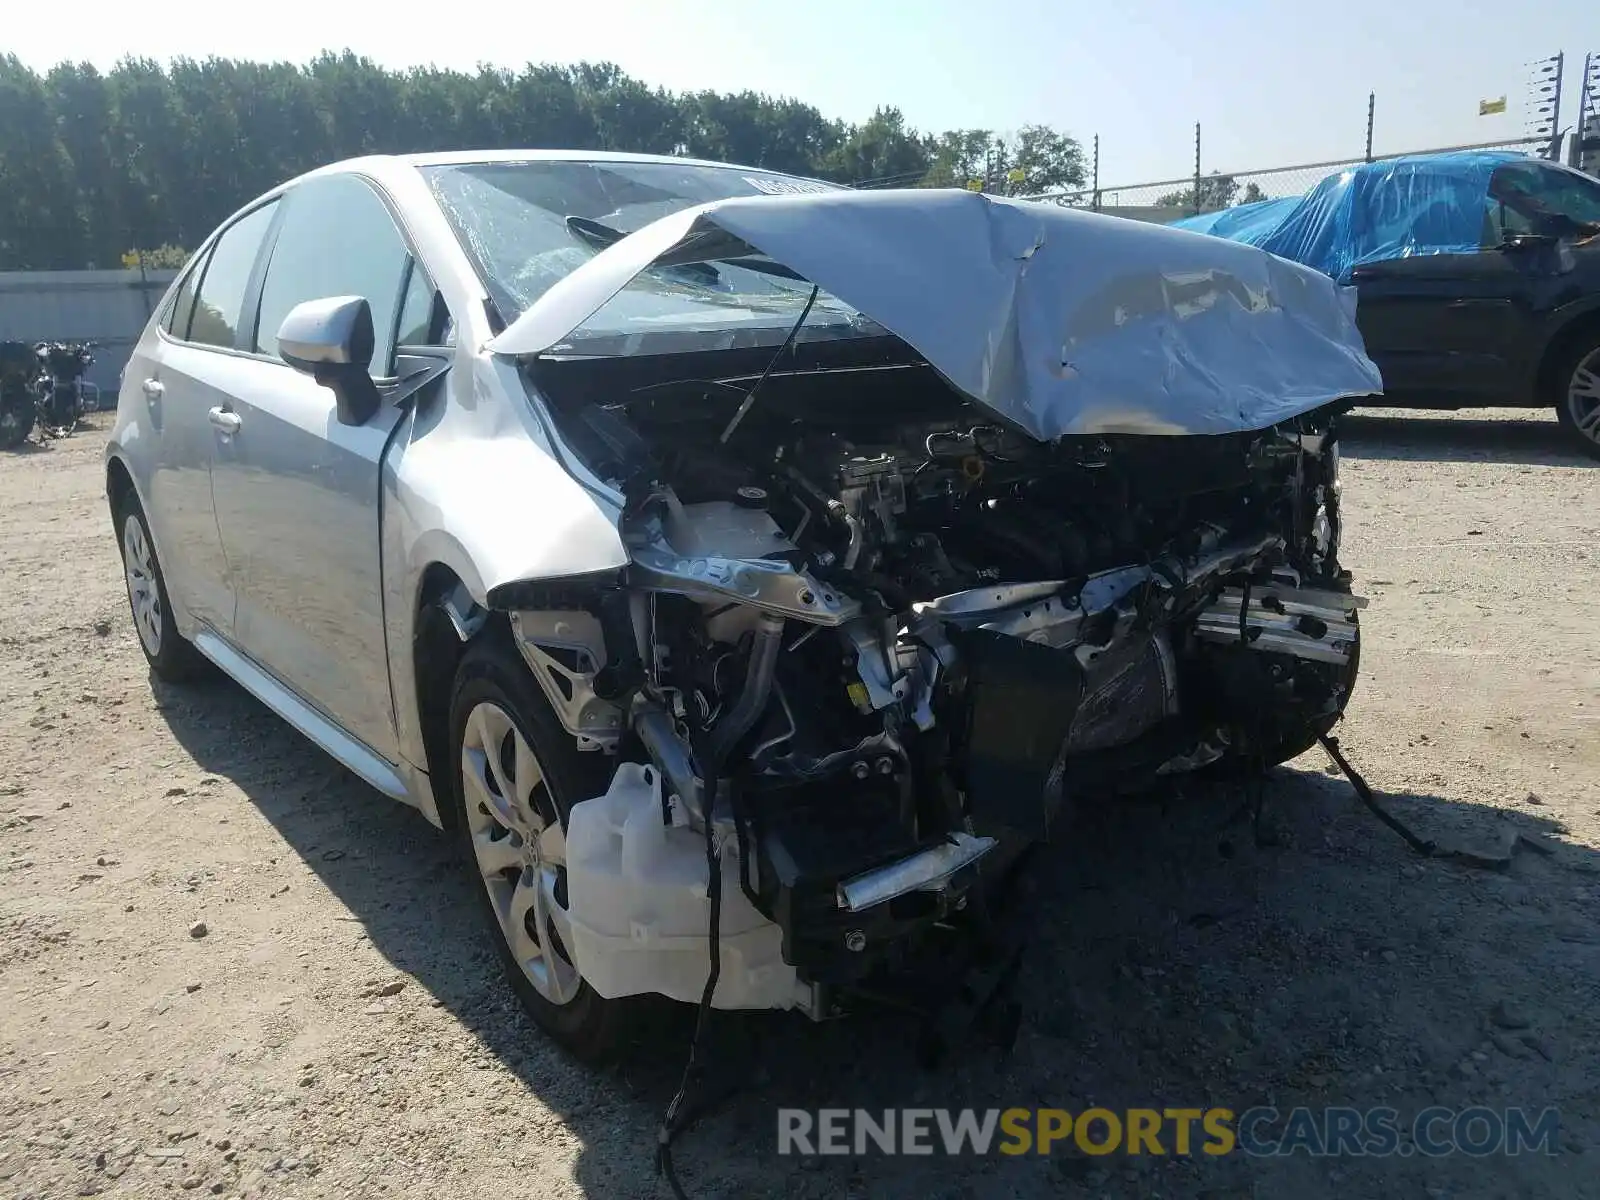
point(144, 284)
point(1580, 130)
point(1197, 168)
point(1372, 103)
point(1555, 110)
point(1588, 115)
point(1094, 179)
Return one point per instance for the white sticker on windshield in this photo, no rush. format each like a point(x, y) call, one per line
point(786, 187)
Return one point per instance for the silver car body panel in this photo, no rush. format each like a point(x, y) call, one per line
point(1059, 321)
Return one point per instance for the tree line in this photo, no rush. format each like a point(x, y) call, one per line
point(149, 158)
point(1215, 191)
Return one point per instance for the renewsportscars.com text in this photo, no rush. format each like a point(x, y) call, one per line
point(1259, 1132)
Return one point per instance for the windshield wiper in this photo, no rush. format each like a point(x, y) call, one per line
point(599, 235)
point(595, 233)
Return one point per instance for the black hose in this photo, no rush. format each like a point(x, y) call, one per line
point(855, 536)
point(729, 731)
point(678, 1114)
point(753, 698)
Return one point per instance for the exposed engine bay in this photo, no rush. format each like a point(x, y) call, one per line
point(880, 642)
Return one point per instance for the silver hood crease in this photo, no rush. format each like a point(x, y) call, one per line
point(1058, 321)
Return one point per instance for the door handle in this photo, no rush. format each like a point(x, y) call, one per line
point(153, 389)
point(224, 420)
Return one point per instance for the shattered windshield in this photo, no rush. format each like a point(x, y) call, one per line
point(527, 224)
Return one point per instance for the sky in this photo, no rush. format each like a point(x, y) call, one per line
point(1272, 82)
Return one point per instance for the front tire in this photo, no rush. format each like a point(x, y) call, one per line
point(170, 655)
point(1578, 400)
point(516, 775)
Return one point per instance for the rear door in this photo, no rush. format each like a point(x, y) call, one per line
point(297, 492)
point(188, 371)
point(1449, 328)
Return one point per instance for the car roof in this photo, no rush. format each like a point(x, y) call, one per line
point(380, 165)
point(443, 158)
point(391, 168)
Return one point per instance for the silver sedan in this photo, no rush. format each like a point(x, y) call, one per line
point(743, 569)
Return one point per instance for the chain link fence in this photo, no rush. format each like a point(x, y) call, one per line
point(1169, 199)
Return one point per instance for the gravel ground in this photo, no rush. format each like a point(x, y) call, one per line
point(337, 1028)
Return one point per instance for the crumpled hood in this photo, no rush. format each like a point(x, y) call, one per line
point(1058, 321)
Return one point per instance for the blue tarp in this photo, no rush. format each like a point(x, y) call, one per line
point(1394, 208)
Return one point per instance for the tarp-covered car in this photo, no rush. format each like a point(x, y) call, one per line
point(744, 569)
point(1478, 274)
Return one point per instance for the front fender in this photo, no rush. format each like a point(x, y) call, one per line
point(1558, 324)
point(481, 487)
point(474, 485)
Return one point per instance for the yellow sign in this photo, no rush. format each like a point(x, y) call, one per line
point(130, 259)
point(974, 185)
point(1488, 108)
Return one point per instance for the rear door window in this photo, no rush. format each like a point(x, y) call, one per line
point(176, 319)
point(221, 297)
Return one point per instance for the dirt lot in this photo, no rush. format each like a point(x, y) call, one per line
point(340, 1029)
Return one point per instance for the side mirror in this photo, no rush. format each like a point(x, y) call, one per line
point(1527, 241)
point(331, 340)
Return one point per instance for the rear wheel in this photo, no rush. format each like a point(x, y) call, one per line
point(517, 773)
point(1578, 402)
point(169, 654)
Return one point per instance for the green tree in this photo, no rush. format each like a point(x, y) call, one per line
point(880, 152)
point(85, 127)
point(627, 114)
point(40, 213)
point(960, 157)
point(155, 156)
point(1039, 160)
point(1216, 191)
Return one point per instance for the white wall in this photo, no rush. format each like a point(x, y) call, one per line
point(107, 307)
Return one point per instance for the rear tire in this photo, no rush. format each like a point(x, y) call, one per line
point(171, 656)
point(515, 773)
point(1578, 397)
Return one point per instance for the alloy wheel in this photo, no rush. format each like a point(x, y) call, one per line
point(144, 596)
point(520, 849)
point(1583, 397)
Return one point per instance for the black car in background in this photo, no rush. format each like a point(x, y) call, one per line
point(1477, 276)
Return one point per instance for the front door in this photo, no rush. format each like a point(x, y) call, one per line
point(297, 492)
point(1451, 327)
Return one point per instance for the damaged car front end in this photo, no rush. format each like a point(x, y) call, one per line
point(943, 514)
